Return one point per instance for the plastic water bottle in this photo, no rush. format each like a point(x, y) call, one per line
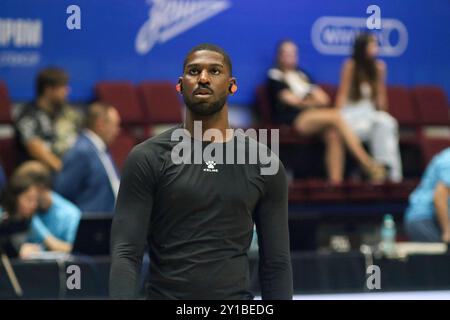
point(388, 235)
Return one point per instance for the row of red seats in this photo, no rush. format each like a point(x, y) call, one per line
point(157, 102)
point(142, 106)
point(146, 104)
point(416, 109)
point(319, 191)
point(151, 103)
point(420, 105)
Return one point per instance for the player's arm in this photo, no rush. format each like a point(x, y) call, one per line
point(441, 195)
point(271, 219)
point(130, 226)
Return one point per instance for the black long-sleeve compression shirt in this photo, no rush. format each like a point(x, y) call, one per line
point(197, 222)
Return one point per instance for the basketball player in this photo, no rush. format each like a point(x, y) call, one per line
point(197, 222)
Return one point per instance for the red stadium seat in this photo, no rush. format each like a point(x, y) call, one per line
point(123, 96)
point(161, 102)
point(357, 191)
point(263, 105)
point(401, 106)
point(331, 90)
point(121, 148)
point(5, 105)
point(351, 192)
point(432, 146)
point(8, 154)
point(432, 105)
point(320, 190)
point(400, 191)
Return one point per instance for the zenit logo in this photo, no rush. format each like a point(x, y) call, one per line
point(169, 18)
point(335, 35)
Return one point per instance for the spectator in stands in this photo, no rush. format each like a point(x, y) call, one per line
point(19, 202)
point(55, 224)
point(47, 127)
point(298, 102)
point(427, 215)
point(362, 99)
point(89, 177)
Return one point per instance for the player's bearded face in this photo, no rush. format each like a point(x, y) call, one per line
point(205, 106)
point(205, 83)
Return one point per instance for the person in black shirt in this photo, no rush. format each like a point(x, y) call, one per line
point(197, 218)
point(47, 127)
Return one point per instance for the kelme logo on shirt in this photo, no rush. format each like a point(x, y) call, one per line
point(210, 167)
point(249, 147)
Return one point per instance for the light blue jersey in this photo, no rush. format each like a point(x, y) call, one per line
point(61, 221)
point(421, 205)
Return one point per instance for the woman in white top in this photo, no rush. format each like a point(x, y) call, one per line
point(297, 102)
point(362, 99)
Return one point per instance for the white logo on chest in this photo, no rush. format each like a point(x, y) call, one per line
point(210, 166)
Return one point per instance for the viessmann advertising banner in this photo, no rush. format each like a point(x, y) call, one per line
point(148, 39)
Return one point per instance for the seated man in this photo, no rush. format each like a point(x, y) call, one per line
point(89, 177)
point(55, 224)
point(47, 127)
point(427, 216)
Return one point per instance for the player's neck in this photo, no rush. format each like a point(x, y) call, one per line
point(217, 121)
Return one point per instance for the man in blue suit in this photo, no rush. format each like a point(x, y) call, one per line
point(89, 177)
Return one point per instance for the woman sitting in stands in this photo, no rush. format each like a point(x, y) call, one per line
point(297, 102)
point(362, 99)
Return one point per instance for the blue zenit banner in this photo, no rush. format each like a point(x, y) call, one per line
point(148, 39)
